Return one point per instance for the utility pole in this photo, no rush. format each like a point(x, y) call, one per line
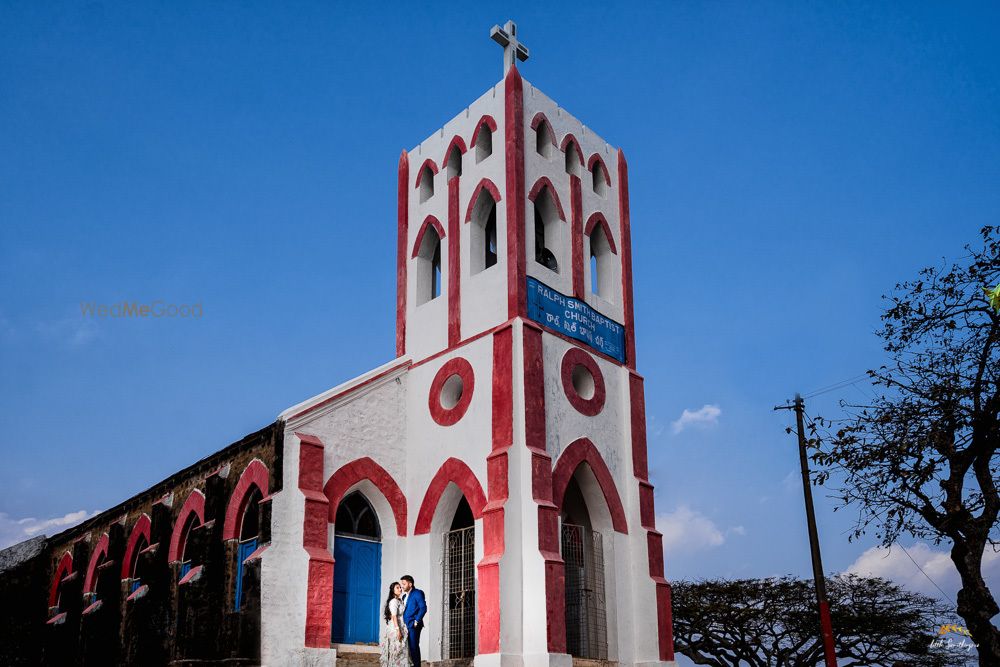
point(826, 627)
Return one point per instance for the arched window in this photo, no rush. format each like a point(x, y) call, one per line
point(426, 183)
point(356, 518)
point(454, 165)
point(598, 178)
point(185, 555)
point(544, 143)
point(601, 264)
point(484, 142)
point(135, 568)
point(63, 570)
point(483, 234)
point(429, 266)
point(460, 584)
point(574, 158)
point(547, 232)
point(249, 541)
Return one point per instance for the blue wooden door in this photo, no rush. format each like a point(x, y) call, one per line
point(356, 573)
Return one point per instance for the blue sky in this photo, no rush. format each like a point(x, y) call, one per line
point(789, 162)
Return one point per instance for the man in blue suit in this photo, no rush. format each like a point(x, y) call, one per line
point(414, 608)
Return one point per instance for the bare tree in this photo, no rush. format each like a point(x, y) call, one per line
point(773, 623)
point(920, 458)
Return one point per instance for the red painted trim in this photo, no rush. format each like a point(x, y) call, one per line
point(544, 183)
point(193, 575)
point(428, 164)
point(486, 120)
point(195, 504)
point(484, 185)
point(139, 530)
point(498, 488)
point(595, 158)
point(319, 611)
point(626, 236)
point(454, 266)
point(637, 414)
point(365, 468)
point(538, 120)
point(64, 568)
point(665, 621)
point(576, 241)
point(598, 219)
point(429, 221)
point(582, 451)
point(541, 490)
point(452, 471)
point(101, 549)
point(517, 304)
point(254, 475)
point(448, 416)
point(455, 141)
point(349, 390)
point(402, 232)
point(568, 140)
point(587, 406)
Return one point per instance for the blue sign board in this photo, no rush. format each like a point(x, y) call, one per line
point(575, 319)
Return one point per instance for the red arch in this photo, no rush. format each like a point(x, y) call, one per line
point(571, 139)
point(64, 568)
point(420, 172)
point(255, 474)
point(100, 550)
point(455, 471)
point(360, 469)
point(595, 158)
point(429, 221)
point(541, 184)
point(455, 141)
point(195, 504)
point(487, 185)
point(140, 529)
point(538, 120)
point(599, 219)
point(583, 451)
point(486, 120)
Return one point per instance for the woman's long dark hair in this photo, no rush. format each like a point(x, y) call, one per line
point(388, 599)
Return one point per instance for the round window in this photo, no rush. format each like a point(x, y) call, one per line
point(583, 382)
point(451, 391)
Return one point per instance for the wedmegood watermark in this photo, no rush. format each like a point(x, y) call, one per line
point(155, 309)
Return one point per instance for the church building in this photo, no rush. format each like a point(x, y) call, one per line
point(499, 458)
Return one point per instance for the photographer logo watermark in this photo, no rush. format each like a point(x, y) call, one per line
point(137, 309)
point(943, 641)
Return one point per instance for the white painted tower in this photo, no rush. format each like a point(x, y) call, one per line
point(500, 459)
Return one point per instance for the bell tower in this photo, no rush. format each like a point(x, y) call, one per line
point(514, 313)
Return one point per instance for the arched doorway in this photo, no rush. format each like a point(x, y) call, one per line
point(583, 554)
point(357, 554)
point(458, 638)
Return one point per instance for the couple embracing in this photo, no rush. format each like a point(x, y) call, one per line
point(404, 611)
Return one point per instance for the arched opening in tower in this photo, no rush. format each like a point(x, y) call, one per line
point(583, 554)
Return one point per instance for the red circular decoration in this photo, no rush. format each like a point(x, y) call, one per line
point(576, 358)
point(453, 368)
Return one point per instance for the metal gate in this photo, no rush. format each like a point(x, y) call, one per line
point(586, 616)
point(458, 639)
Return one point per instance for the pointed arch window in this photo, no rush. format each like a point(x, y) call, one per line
point(484, 142)
point(482, 214)
point(248, 542)
point(547, 232)
point(574, 159)
point(602, 251)
point(599, 178)
point(427, 253)
point(544, 139)
point(186, 559)
point(453, 167)
point(426, 184)
point(135, 568)
point(357, 518)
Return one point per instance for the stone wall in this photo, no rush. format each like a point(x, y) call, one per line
point(167, 619)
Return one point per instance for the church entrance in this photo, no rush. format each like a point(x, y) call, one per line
point(459, 632)
point(583, 553)
point(357, 552)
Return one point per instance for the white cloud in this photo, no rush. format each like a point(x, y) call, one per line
point(684, 529)
point(894, 564)
point(13, 531)
point(706, 415)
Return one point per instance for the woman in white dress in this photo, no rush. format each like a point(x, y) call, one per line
point(394, 651)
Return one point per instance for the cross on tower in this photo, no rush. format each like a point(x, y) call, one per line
point(507, 38)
